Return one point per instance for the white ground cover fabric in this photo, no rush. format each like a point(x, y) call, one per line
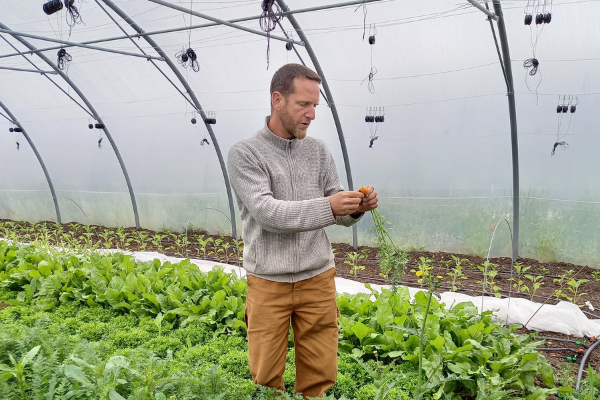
point(563, 317)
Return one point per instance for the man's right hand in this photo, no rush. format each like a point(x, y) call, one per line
point(345, 203)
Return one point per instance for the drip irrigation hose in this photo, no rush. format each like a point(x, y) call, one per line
point(560, 349)
point(582, 365)
point(559, 340)
point(590, 314)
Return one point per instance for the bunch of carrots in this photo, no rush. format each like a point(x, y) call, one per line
point(385, 241)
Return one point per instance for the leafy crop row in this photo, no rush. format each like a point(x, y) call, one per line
point(462, 353)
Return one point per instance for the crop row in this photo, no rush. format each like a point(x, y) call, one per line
point(463, 355)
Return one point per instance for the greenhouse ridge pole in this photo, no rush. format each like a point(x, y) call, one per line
point(92, 110)
point(30, 70)
point(39, 157)
point(513, 126)
point(47, 39)
point(336, 118)
point(223, 22)
point(186, 28)
point(173, 67)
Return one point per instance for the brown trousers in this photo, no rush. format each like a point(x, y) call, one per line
point(311, 306)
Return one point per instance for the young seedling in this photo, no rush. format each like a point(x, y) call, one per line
point(239, 248)
point(489, 278)
point(203, 244)
point(574, 286)
point(353, 259)
point(536, 283)
point(564, 277)
point(455, 275)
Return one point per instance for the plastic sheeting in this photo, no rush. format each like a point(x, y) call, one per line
point(563, 317)
point(442, 160)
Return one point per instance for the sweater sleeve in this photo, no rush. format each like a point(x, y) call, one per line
point(332, 186)
point(252, 186)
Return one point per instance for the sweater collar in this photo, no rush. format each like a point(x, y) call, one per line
point(275, 140)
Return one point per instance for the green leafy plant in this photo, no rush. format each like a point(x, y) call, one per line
point(354, 259)
point(564, 277)
point(456, 273)
point(536, 283)
point(489, 278)
point(392, 261)
point(204, 244)
point(17, 370)
point(574, 287)
point(517, 280)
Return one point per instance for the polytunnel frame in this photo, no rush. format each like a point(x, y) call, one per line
point(190, 91)
point(15, 121)
point(92, 110)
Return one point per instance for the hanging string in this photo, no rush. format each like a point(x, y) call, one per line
point(364, 7)
point(73, 15)
point(188, 59)
point(374, 116)
point(17, 135)
point(373, 70)
point(268, 21)
point(565, 104)
point(64, 59)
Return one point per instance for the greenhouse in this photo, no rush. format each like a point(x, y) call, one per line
point(131, 238)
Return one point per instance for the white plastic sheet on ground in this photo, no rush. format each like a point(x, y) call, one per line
point(563, 317)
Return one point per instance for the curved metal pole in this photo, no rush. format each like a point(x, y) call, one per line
point(189, 90)
point(512, 108)
point(331, 103)
point(93, 111)
point(39, 157)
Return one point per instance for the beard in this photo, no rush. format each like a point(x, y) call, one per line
point(290, 126)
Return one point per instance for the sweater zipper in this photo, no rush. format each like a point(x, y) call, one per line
point(291, 166)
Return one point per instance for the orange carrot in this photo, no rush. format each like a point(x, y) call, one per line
point(364, 190)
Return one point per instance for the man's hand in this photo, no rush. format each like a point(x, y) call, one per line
point(368, 202)
point(345, 203)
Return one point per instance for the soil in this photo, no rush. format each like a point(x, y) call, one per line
point(553, 275)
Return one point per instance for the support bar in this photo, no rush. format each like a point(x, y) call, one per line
point(482, 9)
point(151, 33)
point(30, 70)
point(8, 119)
point(512, 108)
point(196, 104)
point(223, 22)
point(39, 157)
point(47, 39)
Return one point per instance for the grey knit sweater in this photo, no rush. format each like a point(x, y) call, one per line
point(282, 189)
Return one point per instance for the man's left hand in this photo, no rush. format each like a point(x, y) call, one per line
point(369, 202)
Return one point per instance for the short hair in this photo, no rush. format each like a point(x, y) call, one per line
point(283, 80)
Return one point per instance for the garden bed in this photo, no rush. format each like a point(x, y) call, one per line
point(548, 278)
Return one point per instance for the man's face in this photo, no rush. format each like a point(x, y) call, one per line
point(298, 109)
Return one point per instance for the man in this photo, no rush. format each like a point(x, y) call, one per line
point(288, 191)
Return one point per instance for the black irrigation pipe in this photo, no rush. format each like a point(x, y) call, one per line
point(558, 339)
point(582, 366)
point(561, 349)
